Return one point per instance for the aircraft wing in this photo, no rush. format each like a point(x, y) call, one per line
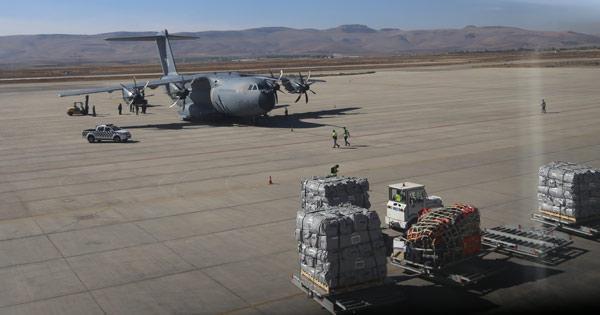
point(151, 84)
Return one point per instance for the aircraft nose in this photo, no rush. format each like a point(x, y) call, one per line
point(266, 101)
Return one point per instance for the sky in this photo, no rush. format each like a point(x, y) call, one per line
point(103, 16)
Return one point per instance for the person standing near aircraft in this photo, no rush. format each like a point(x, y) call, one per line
point(346, 136)
point(93, 110)
point(137, 110)
point(335, 137)
point(543, 106)
point(120, 108)
point(334, 170)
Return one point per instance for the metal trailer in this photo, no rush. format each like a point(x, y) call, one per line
point(539, 245)
point(465, 272)
point(351, 300)
point(587, 228)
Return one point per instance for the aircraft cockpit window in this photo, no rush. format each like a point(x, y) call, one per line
point(249, 87)
point(254, 87)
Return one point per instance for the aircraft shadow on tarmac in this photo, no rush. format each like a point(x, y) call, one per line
point(295, 121)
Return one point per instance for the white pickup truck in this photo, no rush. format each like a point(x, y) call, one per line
point(106, 132)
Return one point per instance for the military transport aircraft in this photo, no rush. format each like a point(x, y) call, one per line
point(204, 95)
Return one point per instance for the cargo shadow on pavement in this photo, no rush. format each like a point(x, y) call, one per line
point(295, 121)
point(513, 274)
point(436, 298)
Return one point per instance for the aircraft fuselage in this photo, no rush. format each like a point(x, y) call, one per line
point(225, 93)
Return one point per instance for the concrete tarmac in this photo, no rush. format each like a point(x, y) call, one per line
point(183, 220)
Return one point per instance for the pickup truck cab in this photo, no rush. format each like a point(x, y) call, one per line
point(106, 132)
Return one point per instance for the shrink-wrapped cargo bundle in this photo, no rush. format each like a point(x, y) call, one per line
point(340, 247)
point(442, 236)
point(569, 191)
point(323, 192)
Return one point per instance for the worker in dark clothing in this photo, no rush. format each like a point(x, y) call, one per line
point(94, 110)
point(137, 109)
point(143, 108)
point(543, 106)
point(285, 112)
point(334, 137)
point(131, 107)
point(87, 109)
point(346, 136)
point(120, 108)
point(334, 170)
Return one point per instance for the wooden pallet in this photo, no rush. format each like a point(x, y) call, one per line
point(324, 289)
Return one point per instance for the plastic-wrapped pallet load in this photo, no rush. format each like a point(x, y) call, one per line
point(442, 236)
point(569, 190)
point(323, 192)
point(340, 247)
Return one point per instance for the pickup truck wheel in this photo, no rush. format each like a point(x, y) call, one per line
point(117, 139)
point(124, 140)
point(91, 139)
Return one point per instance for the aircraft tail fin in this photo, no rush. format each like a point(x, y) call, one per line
point(165, 52)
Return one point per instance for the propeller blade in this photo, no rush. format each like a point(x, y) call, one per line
point(276, 98)
point(280, 74)
point(177, 100)
point(126, 89)
point(134, 82)
point(146, 85)
point(308, 78)
point(306, 96)
point(132, 100)
point(313, 92)
point(299, 96)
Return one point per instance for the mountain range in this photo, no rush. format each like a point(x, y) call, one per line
point(58, 49)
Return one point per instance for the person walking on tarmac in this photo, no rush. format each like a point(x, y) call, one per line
point(334, 137)
point(543, 106)
point(346, 136)
point(131, 107)
point(94, 110)
point(143, 108)
point(120, 108)
point(137, 109)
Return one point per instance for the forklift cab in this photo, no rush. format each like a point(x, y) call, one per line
point(405, 200)
point(77, 109)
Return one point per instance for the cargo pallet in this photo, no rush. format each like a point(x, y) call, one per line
point(586, 228)
point(463, 273)
point(350, 300)
point(539, 245)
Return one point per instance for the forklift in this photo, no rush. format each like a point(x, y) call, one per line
point(79, 108)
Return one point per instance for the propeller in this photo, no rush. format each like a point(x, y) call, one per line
point(274, 85)
point(182, 93)
point(136, 94)
point(304, 87)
